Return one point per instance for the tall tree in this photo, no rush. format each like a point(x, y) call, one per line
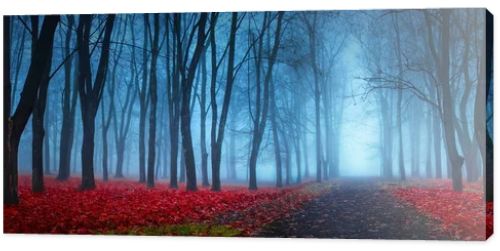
point(143, 104)
point(186, 91)
point(173, 96)
point(276, 141)
point(401, 165)
point(108, 115)
point(261, 118)
point(442, 57)
point(122, 127)
point(38, 115)
point(310, 21)
point(203, 119)
point(91, 91)
point(16, 123)
point(217, 134)
point(69, 106)
point(153, 99)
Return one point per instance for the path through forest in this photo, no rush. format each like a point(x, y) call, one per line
point(356, 209)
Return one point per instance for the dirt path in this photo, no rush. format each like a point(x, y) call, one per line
point(356, 209)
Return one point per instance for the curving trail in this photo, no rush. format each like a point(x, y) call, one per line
point(356, 209)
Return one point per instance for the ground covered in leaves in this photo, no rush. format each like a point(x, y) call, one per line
point(128, 207)
point(462, 214)
point(346, 208)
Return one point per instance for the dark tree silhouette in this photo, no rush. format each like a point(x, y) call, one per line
point(38, 115)
point(173, 96)
point(16, 123)
point(186, 90)
point(91, 91)
point(261, 115)
point(69, 106)
point(153, 99)
point(143, 104)
point(217, 137)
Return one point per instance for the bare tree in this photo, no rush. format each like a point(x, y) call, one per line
point(69, 106)
point(16, 123)
point(189, 66)
point(261, 115)
point(153, 99)
point(91, 91)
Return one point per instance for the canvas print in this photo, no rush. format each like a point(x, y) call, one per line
point(362, 124)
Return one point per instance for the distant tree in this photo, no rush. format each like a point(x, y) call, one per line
point(311, 22)
point(122, 126)
point(108, 115)
point(441, 54)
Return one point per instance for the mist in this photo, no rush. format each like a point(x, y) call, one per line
point(275, 99)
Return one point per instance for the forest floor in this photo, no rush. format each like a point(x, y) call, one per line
point(347, 208)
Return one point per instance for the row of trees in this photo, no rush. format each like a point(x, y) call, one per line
point(430, 64)
point(195, 62)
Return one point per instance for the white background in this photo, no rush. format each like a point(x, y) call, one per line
point(112, 243)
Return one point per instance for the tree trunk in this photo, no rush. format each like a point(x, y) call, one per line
point(437, 144)
point(69, 105)
point(298, 159)
point(38, 135)
point(143, 102)
point(414, 132)
point(402, 171)
point(217, 138)
point(90, 93)
point(319, 148)
point(88, 150)
point(306, 156)
point(455, 159)
point(104, 149)
point(232, 155)
point(327, 104)
point(186, 90)
point(276, 143)
point(386, 111)
point(153, 99)
point(286, 144)
point(262, 117)
point(203, 119)
point(173, 99)
point(401, 165)
point(38, 118)
point(46, 146)
point(317, 98)
point(428, 165)
point(9, 163)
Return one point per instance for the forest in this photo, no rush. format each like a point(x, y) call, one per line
point(238, 123)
